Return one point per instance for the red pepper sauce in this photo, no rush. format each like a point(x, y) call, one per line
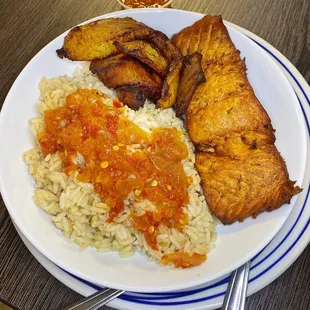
point(184, 260)
point(103, 136)
point(144, 3)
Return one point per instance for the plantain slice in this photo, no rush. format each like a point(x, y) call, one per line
point(112, 61)
point(95, 40)
point(191, 76)
point(131, 96)
point(118, 71)
point(174, 57)
point(146, 53)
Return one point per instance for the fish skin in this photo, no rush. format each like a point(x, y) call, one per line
point(242, 173)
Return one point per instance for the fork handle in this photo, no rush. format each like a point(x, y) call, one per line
point(96, 300)
point(237, 288)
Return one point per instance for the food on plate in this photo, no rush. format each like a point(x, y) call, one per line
point(127, 72)
point(118, 172)
point(98, 41)
point(144, 3)
point(132, 96)
point(241, 170)
point(146, 53)
point(95, 40)
point(175, 59)
point(117, 179)
point(256, 180)
point(191, 76)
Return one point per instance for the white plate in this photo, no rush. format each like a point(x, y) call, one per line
point(236, 243)
point(266, 267)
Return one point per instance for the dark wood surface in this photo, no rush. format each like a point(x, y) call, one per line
point(28, 25)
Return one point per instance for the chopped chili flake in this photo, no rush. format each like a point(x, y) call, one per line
point(101, 135)
point(117, 104)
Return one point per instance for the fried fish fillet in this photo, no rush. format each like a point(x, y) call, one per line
point(239, 187)
point(122, 70)
point(95, 40)
point(241, 170)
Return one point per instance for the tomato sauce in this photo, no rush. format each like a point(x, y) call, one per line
point(184, 260)
point(144, 3)
point(120, 158)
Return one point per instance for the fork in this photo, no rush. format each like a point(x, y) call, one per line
point(237, 288)
point(96, 300)
point(234, 298)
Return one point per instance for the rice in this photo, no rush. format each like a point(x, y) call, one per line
point(78, 211)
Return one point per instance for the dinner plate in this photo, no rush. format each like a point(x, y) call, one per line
point(236, 243)
point(280, 253)
point(270, 263)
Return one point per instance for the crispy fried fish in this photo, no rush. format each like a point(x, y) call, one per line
point(241, 170)
point(95, 40)
point(239, 187)
point(146, 53)
point(119, 71)
point(191, 76)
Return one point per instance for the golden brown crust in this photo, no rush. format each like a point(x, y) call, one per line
point(118, 71)
point(146, 53)
point(241, 170)
point(235, 113)
point(95, 40)
point(174, 57)
point(191, 76)
point(238, 188)
point(132, 96)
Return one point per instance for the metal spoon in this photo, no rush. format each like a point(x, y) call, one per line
point(96, 300)
point(236, 291)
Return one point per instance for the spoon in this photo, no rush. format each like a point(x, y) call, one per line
point(96, 300)
point(237, 288)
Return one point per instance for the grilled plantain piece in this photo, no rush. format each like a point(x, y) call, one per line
point(118, 71)
point(174, 57)
point(131, 96)
point(191, 76)
point(95, 40)
point(146, 53)
point(241, 170)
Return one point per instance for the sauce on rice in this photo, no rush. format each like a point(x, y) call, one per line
point(118, 157)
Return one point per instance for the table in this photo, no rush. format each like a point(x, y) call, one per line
point(27, 26)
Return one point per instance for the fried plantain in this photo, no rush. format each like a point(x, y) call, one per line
point(174, 57)
point(95, 40)
point(112, 60)
point(191, 76)
point(118, 71)
point(146, 53)
point(132, 96)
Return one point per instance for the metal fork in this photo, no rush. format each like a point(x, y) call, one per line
point(234, 298)
point(237, 288)
point(96, 300)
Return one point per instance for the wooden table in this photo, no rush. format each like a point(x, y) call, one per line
point(27, 26)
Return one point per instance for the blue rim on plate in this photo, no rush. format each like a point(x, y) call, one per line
point(267, 265)
point(159, 299)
